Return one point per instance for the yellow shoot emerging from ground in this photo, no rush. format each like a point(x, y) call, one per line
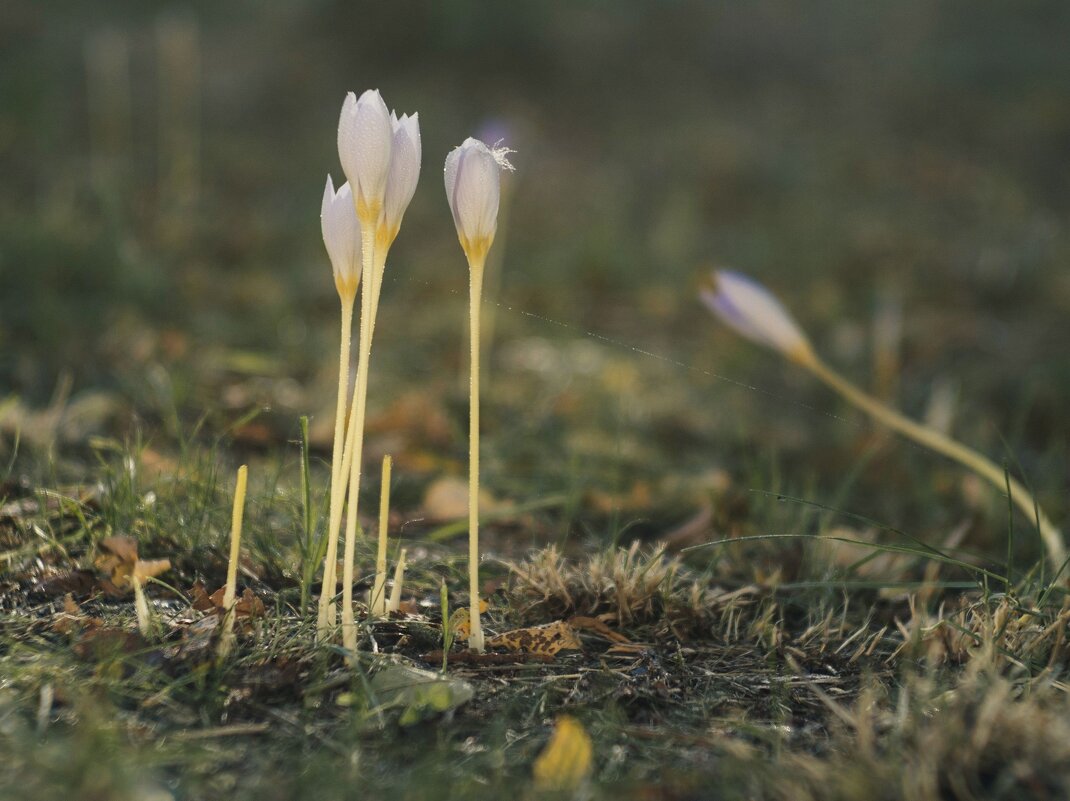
point(377, 606)
point(394, 605)
point(752, 311)
point(141, 608)
point(226, 640)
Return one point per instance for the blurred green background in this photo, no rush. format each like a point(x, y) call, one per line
point(896, 171)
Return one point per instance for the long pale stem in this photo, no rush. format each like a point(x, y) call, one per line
point(377, 606)
point(330, 562)
point(368, 301)
point(931, 438)
point(475, 290)
point(227, 638)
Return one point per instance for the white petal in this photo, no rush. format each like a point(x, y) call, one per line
point(754, 312)
point(404, 169)
point(474, 176)
point(449, 173)
point(365, 137)
point(341, 231)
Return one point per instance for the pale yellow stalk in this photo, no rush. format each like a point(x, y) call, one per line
point(227, 639)
point(377, 602)
point(475, 290)
point(373, 252)
point(939, 442)
point(141, 608)
point(330, 563)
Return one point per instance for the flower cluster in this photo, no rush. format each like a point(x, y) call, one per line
point(381, 155)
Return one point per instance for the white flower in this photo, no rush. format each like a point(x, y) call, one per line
point(365, 137)
point(746, 306)
point(473, 190)
point(341, 235)
point(404, 171)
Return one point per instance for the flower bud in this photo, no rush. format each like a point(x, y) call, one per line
point(341, 235)
point(473, 190)
point(746, 306)
point(404, 172)
point(365, 137)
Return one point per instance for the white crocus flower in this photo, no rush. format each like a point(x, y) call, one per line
point(365, 139)
point(472, 176)
point(341, 236)
point(404, 173)
point(748, 307)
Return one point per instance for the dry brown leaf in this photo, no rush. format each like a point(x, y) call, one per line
point(72, 618)
point(546, 640)
point(76, 582)
point(118, 560)
point(247, 606)
point(598, 627)
point(201, 600)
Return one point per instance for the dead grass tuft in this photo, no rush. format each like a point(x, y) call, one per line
point(635, 585)
point(986, 738)
point(1004, 632)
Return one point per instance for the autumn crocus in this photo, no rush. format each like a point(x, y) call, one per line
point(380, 155)
point(341, 237)
point(472, 177)
point(754, 312)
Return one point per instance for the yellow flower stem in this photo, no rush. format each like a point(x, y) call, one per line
point(475, 290)
point(368, 302)
point(377, 606)
point(231, 590)
point(933, 439)
point(329, 587)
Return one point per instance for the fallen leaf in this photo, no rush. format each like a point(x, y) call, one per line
point(461, 621)
point(599, 627)
point(546, 640)
point(247, 606)
point(565, 762)
point(70, 582)
point(460, 624)
point(119, 548)
point(73, 619)
point(201, 601)
point(118, 560)
point(447, 499)
point(419, 694)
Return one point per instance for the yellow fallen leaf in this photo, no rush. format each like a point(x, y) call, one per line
point(461, 621)
point(545, 640)
point(565, 762)
point(460, 624)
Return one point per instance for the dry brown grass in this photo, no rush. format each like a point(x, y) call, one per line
point(635, 585)
point(984, 738)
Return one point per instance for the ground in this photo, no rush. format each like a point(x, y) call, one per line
point(774, 598)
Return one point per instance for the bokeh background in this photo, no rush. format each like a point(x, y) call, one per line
point(896, 171)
